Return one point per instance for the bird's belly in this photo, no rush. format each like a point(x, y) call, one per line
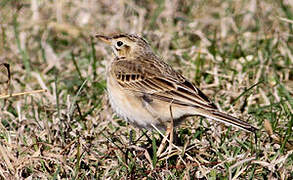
point(129, 107)
point(134, 109)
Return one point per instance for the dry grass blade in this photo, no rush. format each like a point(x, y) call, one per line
point(6, 159)
point(286, 20)
point(268, 127)
point(238, 164)
point(22, 93)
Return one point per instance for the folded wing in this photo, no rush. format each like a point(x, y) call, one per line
point(158, 80)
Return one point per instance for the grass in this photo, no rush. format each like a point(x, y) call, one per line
point(238, 53)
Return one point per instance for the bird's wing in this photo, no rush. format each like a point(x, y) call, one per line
point(157, 80)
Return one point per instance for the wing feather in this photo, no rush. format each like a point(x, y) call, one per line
point(159, 81)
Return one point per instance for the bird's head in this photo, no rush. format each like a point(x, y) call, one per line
point(126, 45)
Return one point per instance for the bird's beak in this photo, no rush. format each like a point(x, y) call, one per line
point(105, 39)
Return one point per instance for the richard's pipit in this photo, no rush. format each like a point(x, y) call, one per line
point(146, 91)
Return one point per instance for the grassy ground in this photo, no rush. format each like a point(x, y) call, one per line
point(240, 53)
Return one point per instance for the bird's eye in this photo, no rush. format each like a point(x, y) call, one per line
point(119, 43)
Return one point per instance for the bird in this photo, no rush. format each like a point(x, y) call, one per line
point(146, 91)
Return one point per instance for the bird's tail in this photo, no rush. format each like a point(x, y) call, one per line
point(228, 119)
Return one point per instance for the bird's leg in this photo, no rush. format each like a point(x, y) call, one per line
point(171, 127)
point(163, 143)
point(170, 134)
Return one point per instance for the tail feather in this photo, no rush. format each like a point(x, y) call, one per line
point(228, 119)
